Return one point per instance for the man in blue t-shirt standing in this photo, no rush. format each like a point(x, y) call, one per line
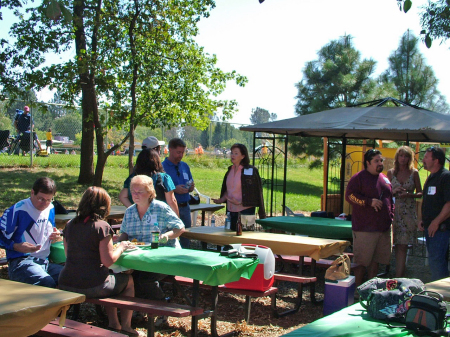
point(181, 176)
point(27, 230)
point(436, 212)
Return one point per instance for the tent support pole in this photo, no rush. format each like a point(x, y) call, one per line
point(285, 172)
point(254, 146)
point(344, 154)
point(325, 173)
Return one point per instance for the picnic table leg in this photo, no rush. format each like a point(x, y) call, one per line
point(299, 293)
point(312, 286)
point(203, 217)
point(195, 294)
point(151, 326)
point(215, 299)
point(247, 307)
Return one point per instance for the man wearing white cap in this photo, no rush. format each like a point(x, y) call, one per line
point(152, 143)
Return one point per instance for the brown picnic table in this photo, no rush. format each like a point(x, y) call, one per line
point(26, 308)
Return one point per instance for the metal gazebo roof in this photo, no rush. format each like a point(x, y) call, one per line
point(403, 123)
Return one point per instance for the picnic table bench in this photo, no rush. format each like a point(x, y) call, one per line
point(151, 307)
point(272, 291)
point(75, 329)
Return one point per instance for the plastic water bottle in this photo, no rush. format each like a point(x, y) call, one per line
point(213, 221)
point(228, 221)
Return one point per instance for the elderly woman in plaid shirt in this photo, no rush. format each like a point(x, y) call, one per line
point(149, 215)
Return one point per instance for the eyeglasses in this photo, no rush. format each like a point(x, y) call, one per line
point(432, 149)
point(138, 192)
point(40, 199)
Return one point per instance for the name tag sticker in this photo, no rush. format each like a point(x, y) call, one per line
point(185, 176)
point(386, 180)
point(154, 218)
point(431, 190)
point(248, 172)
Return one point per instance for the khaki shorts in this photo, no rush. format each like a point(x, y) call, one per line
point(372, 246)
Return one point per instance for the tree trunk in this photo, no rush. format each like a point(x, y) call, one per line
point(87, 141)
point(133, 84)
point(131, 148)
point(101, 162)
point(88, 98)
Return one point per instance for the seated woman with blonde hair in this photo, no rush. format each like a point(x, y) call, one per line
point(89, 252)
point(145, 216)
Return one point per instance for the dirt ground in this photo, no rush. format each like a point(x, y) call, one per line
point(262, 323)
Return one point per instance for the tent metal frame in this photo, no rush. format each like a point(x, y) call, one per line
point(285, 137)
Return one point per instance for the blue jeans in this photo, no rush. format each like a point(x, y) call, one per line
point(185, 216)
point(437, 248)
point(33, 270)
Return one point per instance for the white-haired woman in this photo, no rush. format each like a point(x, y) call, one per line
point(148, 215)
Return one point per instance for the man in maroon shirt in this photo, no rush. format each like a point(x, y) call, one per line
point(370, 194)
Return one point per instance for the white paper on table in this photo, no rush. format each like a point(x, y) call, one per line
point(116, 269)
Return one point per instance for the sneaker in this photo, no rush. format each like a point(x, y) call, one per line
point(138, 317)
point(161, 320)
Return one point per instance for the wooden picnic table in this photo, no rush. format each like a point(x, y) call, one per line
point(352, 321)
point(117, 213)
point(26, 308)
point(205, 208)
point(281, 244)
point(441, 286)
point(209, 267)
point(311, 226)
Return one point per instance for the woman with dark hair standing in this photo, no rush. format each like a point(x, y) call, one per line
point(90, 251)
point(241, 187)
point(405, 180)
point(149, 163)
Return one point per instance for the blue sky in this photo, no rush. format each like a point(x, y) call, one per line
point(271, 42)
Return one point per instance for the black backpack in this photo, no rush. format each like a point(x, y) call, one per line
point(159, 188)
point(426, 315)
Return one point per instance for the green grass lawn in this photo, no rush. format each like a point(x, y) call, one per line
point(304, 186)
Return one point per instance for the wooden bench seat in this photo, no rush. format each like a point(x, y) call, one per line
point(322, 263)
point(75, 329)
point(151, 307)
point(272, 291)
point(294, 278)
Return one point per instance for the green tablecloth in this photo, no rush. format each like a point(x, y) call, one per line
point(209, 267)
point(352, 321)
point(311, 226)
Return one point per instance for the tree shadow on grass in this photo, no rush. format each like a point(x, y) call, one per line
point(17, 185)
point(297, 187)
